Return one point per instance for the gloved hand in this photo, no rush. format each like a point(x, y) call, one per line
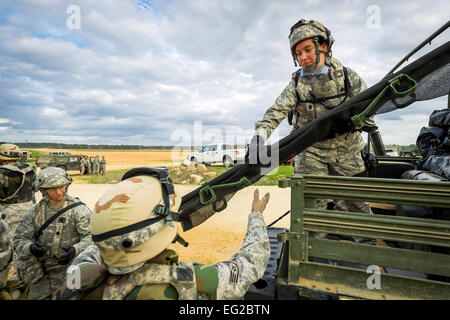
point(37, 249)
point(66, 257)
point(340, 127)
point(255, 150)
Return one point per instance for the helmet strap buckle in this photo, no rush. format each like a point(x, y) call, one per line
point(181, 241)
point(159, 209)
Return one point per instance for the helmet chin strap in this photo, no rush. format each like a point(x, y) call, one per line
point(318, 51)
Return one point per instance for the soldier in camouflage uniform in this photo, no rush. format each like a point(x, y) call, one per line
point(16, 198)
point(321, 84)
point(16, 179)
point(82, 165)
point(103, 166)
point(11, 288)
point(96, 166)
point(45, 252)
point(6, 257)
point(88, 165)
point(130, 259)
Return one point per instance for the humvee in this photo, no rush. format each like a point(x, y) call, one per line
point(26, 156)
point(65, 161)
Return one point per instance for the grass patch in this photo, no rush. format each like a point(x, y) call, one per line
point(35, 153)
point(112, 176)
point(270, 179)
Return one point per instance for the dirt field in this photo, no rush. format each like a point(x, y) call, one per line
point(213, 241)
point(125, 159)
point(221, 235)
point(217, 238)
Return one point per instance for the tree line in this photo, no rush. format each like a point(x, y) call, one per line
point(50, 145)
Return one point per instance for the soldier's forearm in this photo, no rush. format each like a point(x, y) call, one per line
point(83, 244)
point(248, 264)
point(277, 112)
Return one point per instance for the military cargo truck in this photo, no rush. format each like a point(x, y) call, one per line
point(65, 161)
point(402, 251)
point(26, 156)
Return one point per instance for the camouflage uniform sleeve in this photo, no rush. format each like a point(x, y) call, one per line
point(3, 184)
point(357, 85)
point(248, 264)
point(83, 220)
point(5, 250)
point(91, 271)
point(90, 255)
point(24, 235)
point(277, 112)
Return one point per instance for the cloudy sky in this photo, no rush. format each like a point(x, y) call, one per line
point(168, 72)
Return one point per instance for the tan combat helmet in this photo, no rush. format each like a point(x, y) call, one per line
point(9, 152)
point(134, 221)
point(51, 177)
point(310, 29)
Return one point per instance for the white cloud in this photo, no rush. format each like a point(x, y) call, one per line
point(137, 70)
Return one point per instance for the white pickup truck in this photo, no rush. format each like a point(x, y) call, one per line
point(215, 153)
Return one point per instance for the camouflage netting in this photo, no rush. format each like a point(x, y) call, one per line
point(431, 72)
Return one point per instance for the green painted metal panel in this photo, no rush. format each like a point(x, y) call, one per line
point(298, 272)
point(353, 282)
point(396, 191)
point(403, 259)
point(415, 230)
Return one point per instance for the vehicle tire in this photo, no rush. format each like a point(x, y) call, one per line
point(227, 162)
point(194, 160)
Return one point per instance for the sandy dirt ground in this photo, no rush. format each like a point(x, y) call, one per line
point(220, 236)
point(214, 240)
point(125, 159)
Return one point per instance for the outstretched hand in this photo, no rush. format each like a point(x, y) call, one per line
point(259, 205)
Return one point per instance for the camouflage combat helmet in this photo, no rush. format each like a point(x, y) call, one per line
point(51, 177)
point(310, 29)
point(9, 151)
point(135, 220)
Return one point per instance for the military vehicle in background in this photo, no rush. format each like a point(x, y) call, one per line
point(26, 156)
point(59, 153)
point(64, 160)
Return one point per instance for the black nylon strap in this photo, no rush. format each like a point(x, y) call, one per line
point(127, 229)
point(130, 228)
point(56, 215)
point(346, 83)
